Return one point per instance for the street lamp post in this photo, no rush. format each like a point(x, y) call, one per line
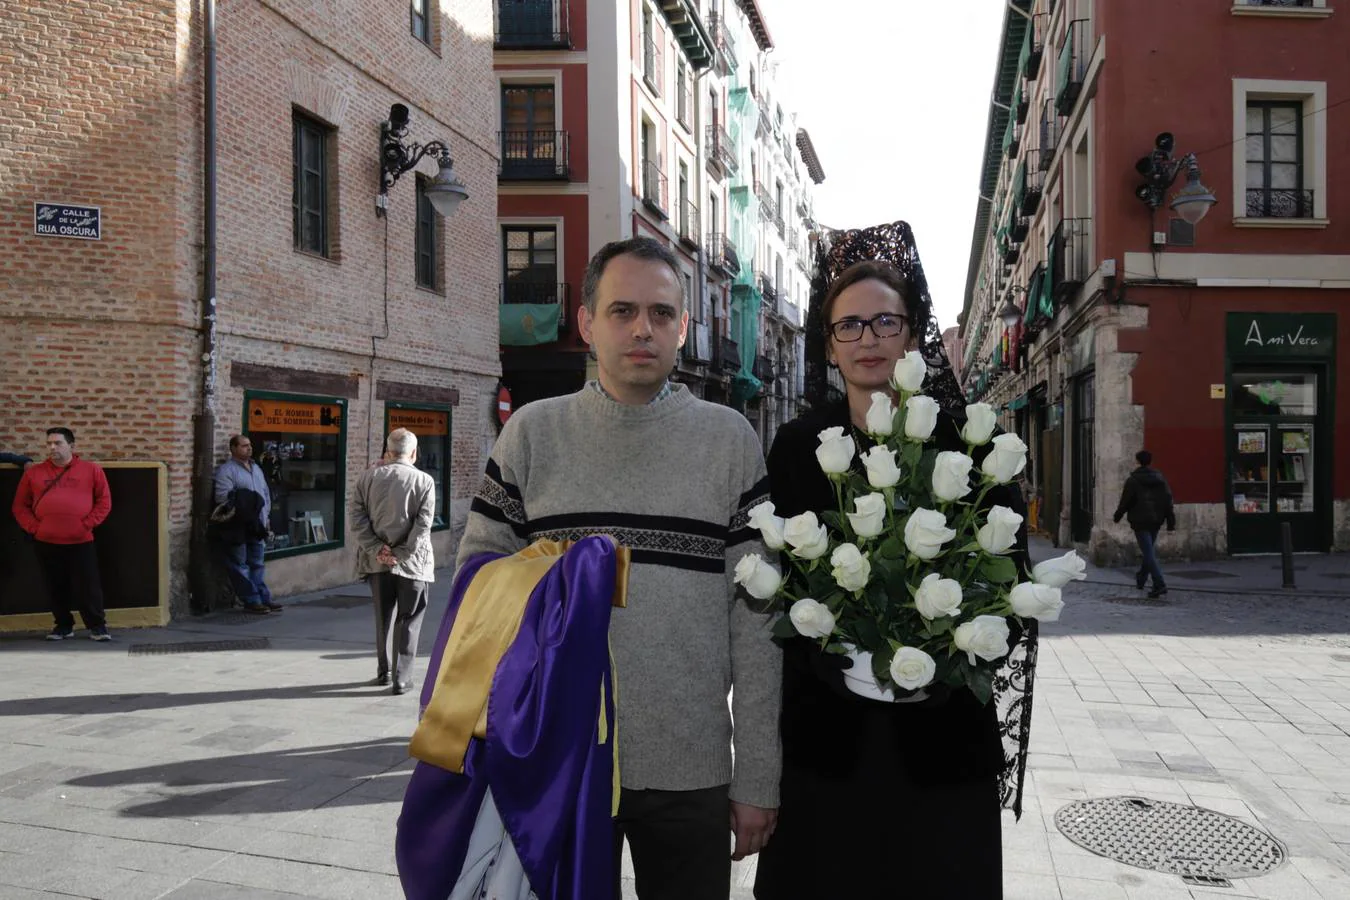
point(445, 191)
point(1159, 169)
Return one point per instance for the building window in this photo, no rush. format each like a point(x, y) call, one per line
point(301, 445)
point(684, 97)
point(530, 264)
point(652, 59)
point(1279, 153)
point(431, 424)
point(428, 241)
point(309, 185)
point(1275, 160)
point(421, 22)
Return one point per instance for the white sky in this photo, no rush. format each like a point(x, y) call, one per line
point(895, 94)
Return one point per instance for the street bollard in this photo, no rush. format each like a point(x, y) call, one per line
point(1287, 553)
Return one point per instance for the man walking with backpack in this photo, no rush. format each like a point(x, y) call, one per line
point(59, 503)
point(1147, 502)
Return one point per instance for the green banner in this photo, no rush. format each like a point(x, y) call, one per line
point(527, 324)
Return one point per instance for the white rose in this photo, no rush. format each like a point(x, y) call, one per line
point(920, 417)
point(880, 420)
point(769, 525)
point(835, 453)
point(882, 469)
point(851, 567)
point(983, 636)
point(951, 475)
point(909, 373)
point(1060, 571)
point(759, 579)
point(912, 669)
point(980, 421)
point(999, 531)
point(1006, 459)
point(870, 517)
point(806, 536)
point(1036, 601)
point(938, 597)
point(925, 532)
point(811, 619)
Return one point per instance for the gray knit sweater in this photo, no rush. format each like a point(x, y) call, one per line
point(673, 481)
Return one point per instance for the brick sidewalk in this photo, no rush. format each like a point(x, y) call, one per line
point(272, 772)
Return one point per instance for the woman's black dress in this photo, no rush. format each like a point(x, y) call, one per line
point(879, 800)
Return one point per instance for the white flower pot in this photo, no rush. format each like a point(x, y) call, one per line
point(860, 680)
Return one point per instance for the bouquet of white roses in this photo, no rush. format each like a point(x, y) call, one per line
point(910, 575)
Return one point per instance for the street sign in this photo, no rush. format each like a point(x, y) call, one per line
point(67, 220)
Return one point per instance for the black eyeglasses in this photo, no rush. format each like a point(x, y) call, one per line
point(883, 325)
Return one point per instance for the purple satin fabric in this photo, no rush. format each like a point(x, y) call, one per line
point(550, 776)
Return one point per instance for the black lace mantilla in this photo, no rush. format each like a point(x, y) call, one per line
point(836, 250)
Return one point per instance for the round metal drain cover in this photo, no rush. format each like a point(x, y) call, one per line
point(1169, 837)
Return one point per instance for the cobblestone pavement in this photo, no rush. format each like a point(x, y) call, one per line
point(263, 767)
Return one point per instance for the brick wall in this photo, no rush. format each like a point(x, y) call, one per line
point(105, 108)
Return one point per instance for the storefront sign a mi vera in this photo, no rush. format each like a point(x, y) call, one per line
point(1282, 334)
point(1294, 339)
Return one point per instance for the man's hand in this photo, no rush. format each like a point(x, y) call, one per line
point(386, 557)
point(753, 826)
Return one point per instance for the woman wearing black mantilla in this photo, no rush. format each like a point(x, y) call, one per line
point(883, 800)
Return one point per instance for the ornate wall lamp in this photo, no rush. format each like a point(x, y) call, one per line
point(1160, 170)
point(445, 191)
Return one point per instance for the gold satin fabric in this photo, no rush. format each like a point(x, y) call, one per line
point(488, 621)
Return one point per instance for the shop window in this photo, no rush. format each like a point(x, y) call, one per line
point(301, 444)
point(431, 424)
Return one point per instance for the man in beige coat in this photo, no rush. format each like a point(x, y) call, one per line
point(392, 510)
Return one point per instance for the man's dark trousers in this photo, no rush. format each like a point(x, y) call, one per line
point(1148, 549)
point(399, 605)
point(244, 563)
point(71, 572)
point(680, 841)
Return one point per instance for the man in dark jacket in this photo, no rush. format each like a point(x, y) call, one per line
point(241, 487)
point(1147, 501)
point(60, 502)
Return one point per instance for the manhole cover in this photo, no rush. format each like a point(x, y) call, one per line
point(1169, 837)
point(1201, 573)
point(260, 643)
point(338, 601)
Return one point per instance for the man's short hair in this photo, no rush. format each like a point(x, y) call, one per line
point(64, 432)
point(236, 438)
point(401, 442)
point(1144, 458)
point(641, 247)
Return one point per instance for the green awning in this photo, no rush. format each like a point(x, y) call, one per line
point(1034, 297)
point(528, 324)
point(1017, 403)
point(1062, 70)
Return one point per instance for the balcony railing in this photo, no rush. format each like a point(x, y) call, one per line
point(1278, 3)
point(1050, 129)
point(763, 368)
point(655, 189)
point(689, 223)
point(541, 292)
point(721, 255)
point(1072, 67)
point(767, 288)
point(1279, 203)
point(1035, 183)
point(764, 128)
point(1038, 23)
point(533, 155)
point(721, 35)
point(652, 64)
point(728, 355)
point(531, 25)
point(1069, 249)
point(697, 343)
point(721, 151)
point(767, 208)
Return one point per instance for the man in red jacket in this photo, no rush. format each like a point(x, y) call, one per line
point(59, 503)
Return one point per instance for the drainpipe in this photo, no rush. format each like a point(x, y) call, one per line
point(201, 581)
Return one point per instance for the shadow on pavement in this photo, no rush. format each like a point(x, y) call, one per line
point(103, 704)
point(1123, 610)
point(279, 781)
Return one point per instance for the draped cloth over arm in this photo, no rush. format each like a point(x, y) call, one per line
point(537, 773)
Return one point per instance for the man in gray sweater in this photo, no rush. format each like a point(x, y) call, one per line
point(392, 510)
point(672, 478)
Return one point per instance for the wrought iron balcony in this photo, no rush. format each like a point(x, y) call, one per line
point(1069, 249)
point(1020, 225)
point(764, 369)
point(721, 152)
point(689, 223)
point(540, 292)
point(726, 49)
point(764, 128)
point(1023, 105)
point(1015, 144)
point(1072, 67)
point(767, 208)
point(767, 288)
point(533, 156)
point(655, 189)
point(697, 343)
point(1279, 3)
point(1279, 203)
point(722, 255)
point(1038, 23)
point(531, 25)
point(728, 355)
point(1050, 134)
point(653, 64)
point(1035, 183)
